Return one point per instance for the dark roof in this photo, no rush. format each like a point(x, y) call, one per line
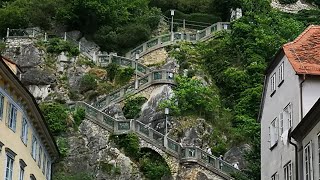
point(26, 92)
point(310, 120)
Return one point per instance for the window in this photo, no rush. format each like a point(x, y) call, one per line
point(40, 156)
point(308, 169)
point(288, 115)
point(32, 177)
point(273, 83)
point(281, 124)
point(24, 131)
point(1, 105)
point(9, 167)
point(22, 166)
point(281, 73)
point(288, 171)
point(12, 119)
point(44, 166)
point(273, 132)
point(48, 170)
point(21, 174)
point(34, 147)
point(275, 176)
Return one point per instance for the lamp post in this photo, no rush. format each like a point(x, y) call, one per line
point(166, 112)
point(172, 14)
point(136, 80)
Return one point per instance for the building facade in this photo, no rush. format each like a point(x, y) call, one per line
point(292, 86)
point(27, 149)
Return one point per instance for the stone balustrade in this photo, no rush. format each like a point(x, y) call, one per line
point(154, 77)
point(104, 60)
point(184, 154)
point(169, 39)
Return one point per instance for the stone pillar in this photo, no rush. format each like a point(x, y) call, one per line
point(8, 32)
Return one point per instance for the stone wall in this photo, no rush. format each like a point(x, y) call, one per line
point(155, 58)
point(195, 172)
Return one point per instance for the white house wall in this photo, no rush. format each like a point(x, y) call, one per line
point(310, 93)
point(272, 161)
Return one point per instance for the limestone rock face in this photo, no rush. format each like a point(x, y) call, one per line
point(291, 8)
point(90, 151)
point(236, 154)
point(35, 76)
point(150, 113)
point(195, 172)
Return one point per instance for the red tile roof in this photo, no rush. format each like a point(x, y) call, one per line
point(304, 52)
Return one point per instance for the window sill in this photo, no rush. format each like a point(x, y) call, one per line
point(272, 93)
point(273, 146)
point(25, 143)
point(280, 83)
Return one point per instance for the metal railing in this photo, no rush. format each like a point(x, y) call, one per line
point(182, 153)
point(169, 39)
point(154, 77)
point(105, 60)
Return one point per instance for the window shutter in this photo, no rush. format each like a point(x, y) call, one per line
point(281, 123)
point(8, 113)
point(311, 161)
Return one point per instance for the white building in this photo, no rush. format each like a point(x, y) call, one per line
point(292, 87)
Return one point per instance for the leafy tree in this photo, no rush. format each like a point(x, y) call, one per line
point(56, 116)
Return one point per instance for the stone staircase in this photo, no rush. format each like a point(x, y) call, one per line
point(147, 78)
point(185, 154)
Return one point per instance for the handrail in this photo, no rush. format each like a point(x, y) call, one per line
point(169, 39)
point(106, 59)
point(151, 78)
point(182, 153)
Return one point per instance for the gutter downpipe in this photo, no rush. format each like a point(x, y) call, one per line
point(301, 107)
point(295, 154)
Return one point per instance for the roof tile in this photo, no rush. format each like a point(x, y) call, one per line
point(304, 52)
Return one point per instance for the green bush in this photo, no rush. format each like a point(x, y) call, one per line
point(129, 142)
point(132, 106)
point(56, 46)
point(109, 168)
point(78, 115)
point(56, 116)
point(112, 70)
point(72, 176)
point(63, 146)
point(87, 82)
point(153, 166)
point(124, 76)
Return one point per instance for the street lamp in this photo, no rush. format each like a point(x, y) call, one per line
point(136, 63)
point(172, 14)
point(166, 112)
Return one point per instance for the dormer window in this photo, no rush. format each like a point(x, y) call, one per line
point(273, 83)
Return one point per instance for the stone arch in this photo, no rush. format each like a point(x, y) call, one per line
point(171, 161)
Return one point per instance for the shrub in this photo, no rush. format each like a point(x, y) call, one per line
point(109, 168)
point(78, 115)
point(129, 142)
point(56, 46)
point(153, 166)
point(72, 176)
point(55, 115)
point(88, 82)
point(112, 70)
point(124, 75)
point(63, 146)
point(132, 107)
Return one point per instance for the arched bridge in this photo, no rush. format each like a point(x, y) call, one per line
point(170, 150)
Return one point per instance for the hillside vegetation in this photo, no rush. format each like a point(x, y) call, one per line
point(231, 65)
